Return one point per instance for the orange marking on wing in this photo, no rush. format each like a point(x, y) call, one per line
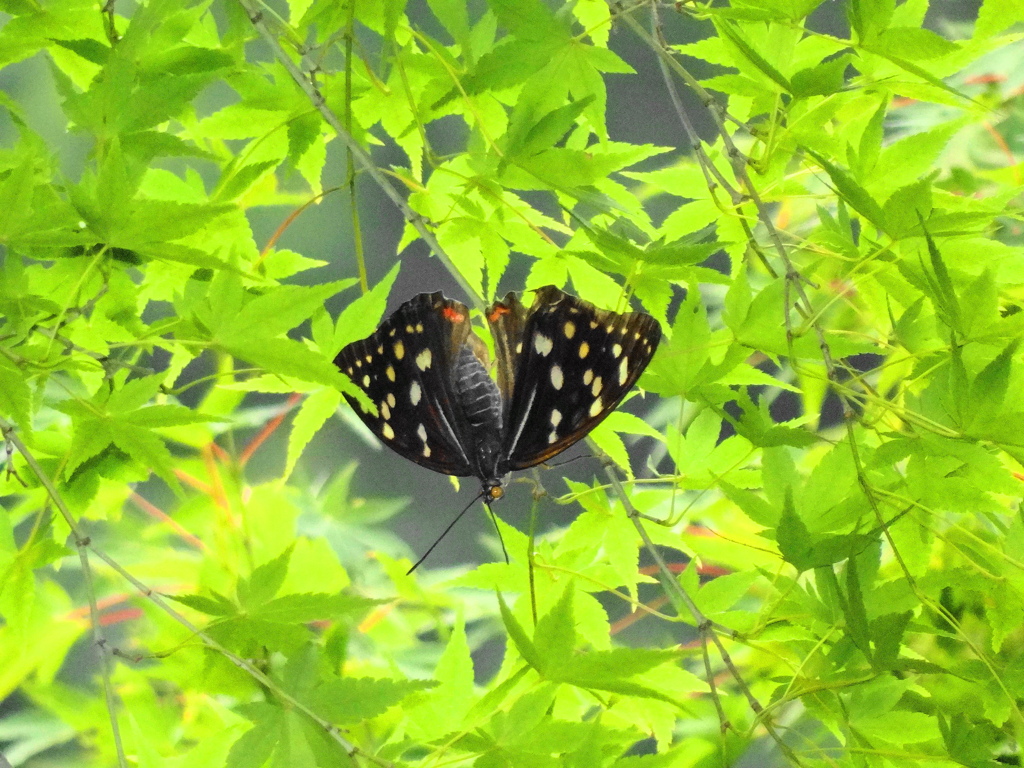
point(497, 312)
point(453, 315)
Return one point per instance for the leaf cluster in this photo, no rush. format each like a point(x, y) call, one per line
point(827, 458)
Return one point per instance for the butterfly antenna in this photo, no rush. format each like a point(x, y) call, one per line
point(581, 457)
point(445, 533)
point(497, 530)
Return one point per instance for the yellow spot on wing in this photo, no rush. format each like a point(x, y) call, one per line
point(543, 344)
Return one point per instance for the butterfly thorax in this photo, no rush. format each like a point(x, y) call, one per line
point(480, 401)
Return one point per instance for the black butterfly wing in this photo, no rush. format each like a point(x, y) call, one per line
point(575, 365)
point(507, 319)
point(405, 370)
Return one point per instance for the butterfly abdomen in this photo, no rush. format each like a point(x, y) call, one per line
point(480, 401)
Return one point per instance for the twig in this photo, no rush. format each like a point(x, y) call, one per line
point(357, 232)
point(109, 26)
point(793, 277)
point(81, 542)
point(707, 628)
point(257, 674)
point(723, 719)
point(795, 285)
point(537, 494)
point(317, 99)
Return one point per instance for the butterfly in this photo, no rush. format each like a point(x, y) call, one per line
point(562, 366)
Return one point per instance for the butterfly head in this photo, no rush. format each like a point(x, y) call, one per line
point(493, 489)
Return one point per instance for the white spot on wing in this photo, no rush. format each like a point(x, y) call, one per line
point(553, 437)
point(391, 399)
point(421, 431)
point(588, 376)
point(423, 359)
point(623, 370)
point(556, 417)
point(543, 344)
point(616, 350)
point(366, 380)
point(596, 407)
point(415, 393)
point(556, 376)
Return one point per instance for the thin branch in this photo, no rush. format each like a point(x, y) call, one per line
point(707, 627)
point(316, 98)
point(100, 642)
point(81, 542)
point(353, 202)
point(84, 543)
point(723, 719)
point(795, 284)
point(539, 492)
point(738, 164)
point(109, 25)
point(257, 674)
